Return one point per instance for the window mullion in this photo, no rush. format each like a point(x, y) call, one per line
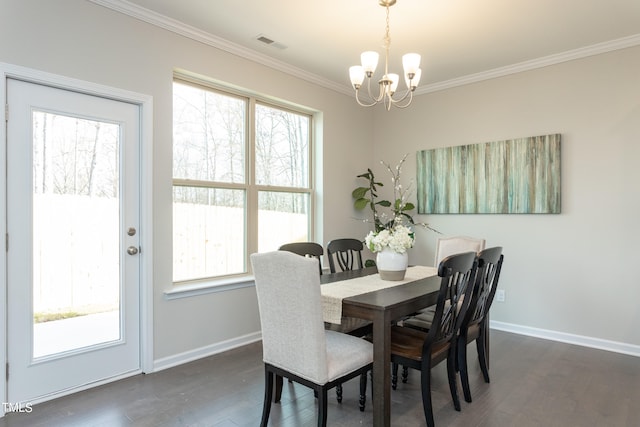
point(252, 191)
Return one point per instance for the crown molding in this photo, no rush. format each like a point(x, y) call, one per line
point(533, 64)
point(193, 33)
point(196, 34)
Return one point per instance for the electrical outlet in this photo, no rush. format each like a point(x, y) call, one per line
point(500, 295)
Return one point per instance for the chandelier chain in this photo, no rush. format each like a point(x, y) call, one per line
point(387, 45)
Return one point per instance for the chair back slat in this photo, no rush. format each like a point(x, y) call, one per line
point(347, 253)
point(489, 268)
point(458, 275)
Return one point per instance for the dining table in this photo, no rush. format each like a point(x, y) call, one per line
point(363, 294)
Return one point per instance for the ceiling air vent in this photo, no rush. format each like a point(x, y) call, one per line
point(269, 42)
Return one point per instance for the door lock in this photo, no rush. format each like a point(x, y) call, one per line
point(132, 250)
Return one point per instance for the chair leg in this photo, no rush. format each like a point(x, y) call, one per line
point(482, 356)
point(363, 391)
point(405, 374)
point(278, 395)
point(425, 385)
point(462, 367)
point(394, 376)
point(322, 407)
point(268, 394)
point(339, 393)
point(451, 373)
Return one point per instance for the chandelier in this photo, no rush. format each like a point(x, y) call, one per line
point(389, 81)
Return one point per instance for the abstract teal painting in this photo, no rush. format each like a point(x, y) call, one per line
point(501, 177)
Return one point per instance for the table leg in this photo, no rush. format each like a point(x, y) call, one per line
point(381, 371)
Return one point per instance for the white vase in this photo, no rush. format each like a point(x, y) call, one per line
point(392, 265)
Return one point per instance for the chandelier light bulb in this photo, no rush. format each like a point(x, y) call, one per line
point(356, 74)
point(369, 61)
point(411, 63)
point(394, 82)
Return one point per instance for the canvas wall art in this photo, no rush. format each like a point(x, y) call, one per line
point(501, 177)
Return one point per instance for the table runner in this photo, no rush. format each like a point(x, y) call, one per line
point(334, 293)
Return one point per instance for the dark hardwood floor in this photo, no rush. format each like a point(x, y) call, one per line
point(534, 382)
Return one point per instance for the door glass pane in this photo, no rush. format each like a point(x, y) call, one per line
point(76, 283)
point(282, 148)
point(282, 218)
point(208, 232)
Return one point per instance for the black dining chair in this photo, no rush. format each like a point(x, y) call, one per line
point(445, 246)
point(422, 350)
point(475, 323)
point(308, 249)
point(346, 253)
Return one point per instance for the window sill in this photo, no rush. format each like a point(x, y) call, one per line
point(208, 287)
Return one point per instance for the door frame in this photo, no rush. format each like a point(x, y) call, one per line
point(145, 104)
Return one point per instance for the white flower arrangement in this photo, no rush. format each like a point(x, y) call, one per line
point(398, 239)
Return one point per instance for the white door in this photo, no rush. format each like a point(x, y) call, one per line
point(73, 269)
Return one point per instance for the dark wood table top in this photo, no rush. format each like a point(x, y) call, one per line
point(411, 296)
point(382, 307)
point(346, 275)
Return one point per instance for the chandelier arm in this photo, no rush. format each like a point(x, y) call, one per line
point(404, 96)
point(397, 103)
point(362, 104)
point(380, 95)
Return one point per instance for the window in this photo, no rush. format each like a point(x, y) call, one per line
point(237, 188)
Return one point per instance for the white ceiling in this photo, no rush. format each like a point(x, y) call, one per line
point(459, 40)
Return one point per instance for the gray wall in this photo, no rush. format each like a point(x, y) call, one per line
point(570, 273)
point(571, 276)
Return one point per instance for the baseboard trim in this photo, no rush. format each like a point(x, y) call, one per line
point(614, 346)
point(210, 350)
point(584, 341)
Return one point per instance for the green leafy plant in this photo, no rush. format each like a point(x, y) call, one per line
point(368, 197)
point(392, 223)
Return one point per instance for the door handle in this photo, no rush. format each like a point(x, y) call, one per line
point(132, 250)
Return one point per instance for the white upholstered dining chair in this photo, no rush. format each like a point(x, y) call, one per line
point(446, 246)
point(295, 343)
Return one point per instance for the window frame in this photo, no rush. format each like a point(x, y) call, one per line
point(251, 188)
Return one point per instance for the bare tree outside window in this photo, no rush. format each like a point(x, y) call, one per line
point(74, 156)
point(213, 190)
